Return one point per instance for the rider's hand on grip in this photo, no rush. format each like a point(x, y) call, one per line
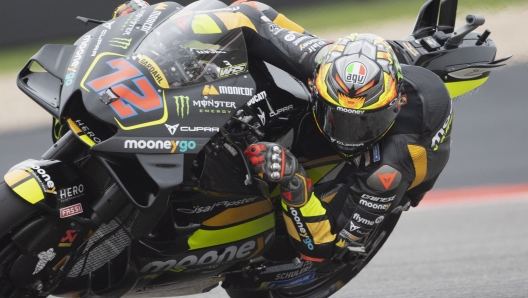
point(129, 7)
point(272, 162)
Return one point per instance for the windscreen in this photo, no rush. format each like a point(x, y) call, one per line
point(189, 48)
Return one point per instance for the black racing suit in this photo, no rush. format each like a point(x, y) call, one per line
point(397, 171)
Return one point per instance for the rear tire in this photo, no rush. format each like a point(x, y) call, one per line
point(327, 286)
point(14, 213)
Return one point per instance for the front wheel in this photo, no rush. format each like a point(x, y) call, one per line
point(14, 213)
point(326, 286)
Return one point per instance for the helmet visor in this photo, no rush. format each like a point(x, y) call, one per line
point(351, 128)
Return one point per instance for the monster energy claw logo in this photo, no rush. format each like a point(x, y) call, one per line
point(123, 43)
point(182, 105)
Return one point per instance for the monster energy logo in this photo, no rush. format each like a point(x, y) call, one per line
point(182, 105)
point(123, 43)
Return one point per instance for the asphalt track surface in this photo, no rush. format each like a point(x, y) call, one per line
point(467, 240)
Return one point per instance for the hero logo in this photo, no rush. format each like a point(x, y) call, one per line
point(300, 228)
point(281, 110)
point(71, 193)
point(374, 205)
point(442, 133)
point(211, 257)
point(350, 111)
point(232, 70)
point(376, 199)
point(173, 146)
point(72, 69)
point(44, 178)
point(87, 131)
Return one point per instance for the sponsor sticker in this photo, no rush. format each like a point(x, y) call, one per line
point(70, 193)
point(232, 70)
point(257, 98)
point(132, 21)
point(281, 110)
point(356, 72)
point(76, 61)
point(376, 153)
point(172, 128)
point(168, 145)
point(71, 210)
point(289, 37)
point(67, 241)
point(147, 26)
point(224, 204)
point(300, 280)
point(44, 258)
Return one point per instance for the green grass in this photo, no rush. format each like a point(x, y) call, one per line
point(324, 17)
point(353, 13)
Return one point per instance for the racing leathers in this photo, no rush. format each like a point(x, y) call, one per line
point(391, 175)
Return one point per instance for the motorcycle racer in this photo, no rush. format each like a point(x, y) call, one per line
point(391, 123)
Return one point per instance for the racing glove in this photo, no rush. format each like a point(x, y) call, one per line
point(278, 165)
point(129, 7)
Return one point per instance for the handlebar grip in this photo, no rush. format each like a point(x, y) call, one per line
point(475, 20)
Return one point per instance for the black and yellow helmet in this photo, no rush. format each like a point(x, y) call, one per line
point(358, 87)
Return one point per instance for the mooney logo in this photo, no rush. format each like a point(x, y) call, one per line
point(231, 253)
point(119, 42)
point(301, 229)
point(182, 105)
point(44, 178)
point(350, 111)
point(72, 69)
point(232, 70)
point(172, 128)
point(173, 146)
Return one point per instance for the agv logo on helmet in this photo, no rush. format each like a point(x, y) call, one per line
point(356, 72)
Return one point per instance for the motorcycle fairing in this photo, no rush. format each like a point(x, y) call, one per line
point(45, 242)
point(50, 184)
point(45, 87)
point(159, 269)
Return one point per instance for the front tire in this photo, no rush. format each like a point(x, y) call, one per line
point(14, 213)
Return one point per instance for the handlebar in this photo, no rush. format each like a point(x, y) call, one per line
point(473, 21)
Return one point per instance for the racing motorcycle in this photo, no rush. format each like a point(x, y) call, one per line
point(148, 193)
